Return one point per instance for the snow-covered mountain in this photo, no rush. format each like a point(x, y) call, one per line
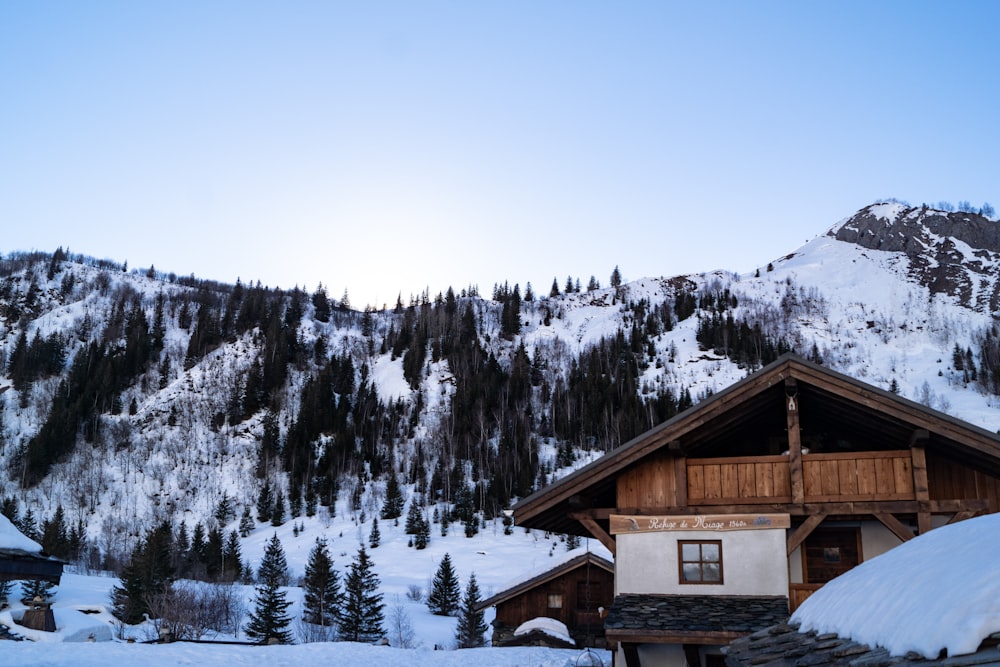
point(134, 397)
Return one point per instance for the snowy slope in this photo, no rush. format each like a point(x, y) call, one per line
point(864, 311)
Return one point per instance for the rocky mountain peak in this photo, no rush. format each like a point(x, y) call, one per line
point(954, 253)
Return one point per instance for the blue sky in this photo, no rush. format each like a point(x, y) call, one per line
point(392, 147)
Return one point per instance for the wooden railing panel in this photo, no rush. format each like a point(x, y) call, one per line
point(841, 477)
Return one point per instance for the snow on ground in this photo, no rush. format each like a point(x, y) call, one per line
point(495, 558)
point(938, 591)
point(23, 654)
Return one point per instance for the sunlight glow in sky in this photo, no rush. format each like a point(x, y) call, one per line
point(392, 147)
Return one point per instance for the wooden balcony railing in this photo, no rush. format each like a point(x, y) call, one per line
point(853, 476)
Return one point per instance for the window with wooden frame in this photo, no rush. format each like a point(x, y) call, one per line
point(699, 561)
point(555, 601)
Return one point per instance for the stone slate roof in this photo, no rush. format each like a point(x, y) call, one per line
point(782, 645)
point(646, 614)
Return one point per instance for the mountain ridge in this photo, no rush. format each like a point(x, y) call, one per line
point(212, 390)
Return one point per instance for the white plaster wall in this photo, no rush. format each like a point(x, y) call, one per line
point(876, 539)
point(795, 566)
point(753, 563)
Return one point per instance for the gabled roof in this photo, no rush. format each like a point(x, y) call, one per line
point(586, 558)
point(828, 402)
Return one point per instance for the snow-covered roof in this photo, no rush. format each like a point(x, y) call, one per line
point(549, 626)
point(13, 539)
point(939, 591)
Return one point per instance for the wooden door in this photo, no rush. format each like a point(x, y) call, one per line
point(829, 552)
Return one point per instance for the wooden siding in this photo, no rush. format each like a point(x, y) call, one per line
point(948, 479)
point(652, 483)
point(854, 476)
point(577, 612)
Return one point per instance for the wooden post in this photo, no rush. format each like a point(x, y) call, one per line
point(920, 488)
point(794, 442)
point(681, 481)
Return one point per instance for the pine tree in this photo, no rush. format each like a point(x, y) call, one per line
point(445, 592)
point(232, 558)
point(278, 510)
point(265, 501)
point(375, 537)
point(55, 539)
point(36, 588)
point(148, 574)
point(393, 506)
point(616, 278)
point(471, 622)
point(268, 621)
point(321, 586)
point(423, 535)
point(224, 510)
point(414, 517)
point(246, 522)
point(362, 612)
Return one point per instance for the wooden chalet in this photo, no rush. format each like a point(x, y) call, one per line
point(727, 516)
point(573, 592)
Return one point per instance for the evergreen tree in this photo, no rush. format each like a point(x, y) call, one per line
point(414, 517)
point(265, 501)
point(278, 510)
point(471, 622)
point(224, 510)
point(268, 622)
point(148, 574)
point(362, 612)
point(232, 558)
point(616, 278)
point(393, 506)
point(423, 536)
point(311, 500)
point(554, 291)
point(55, 539)
point(36, 588)
point(246, 522)
point(321, 587)
point(375, 537)
point(445, 592)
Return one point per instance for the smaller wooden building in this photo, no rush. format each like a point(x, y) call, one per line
point(573, 592)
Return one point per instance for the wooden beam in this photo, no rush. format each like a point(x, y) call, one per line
point(794, 442)
point(631, 652)
point(857, 508)
point(800, 534)
point(699, 637)
point(920, 486)
point(962, 516)
point(681, 481)
point(595, 529)
point(691, 655)
point(898, 528)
